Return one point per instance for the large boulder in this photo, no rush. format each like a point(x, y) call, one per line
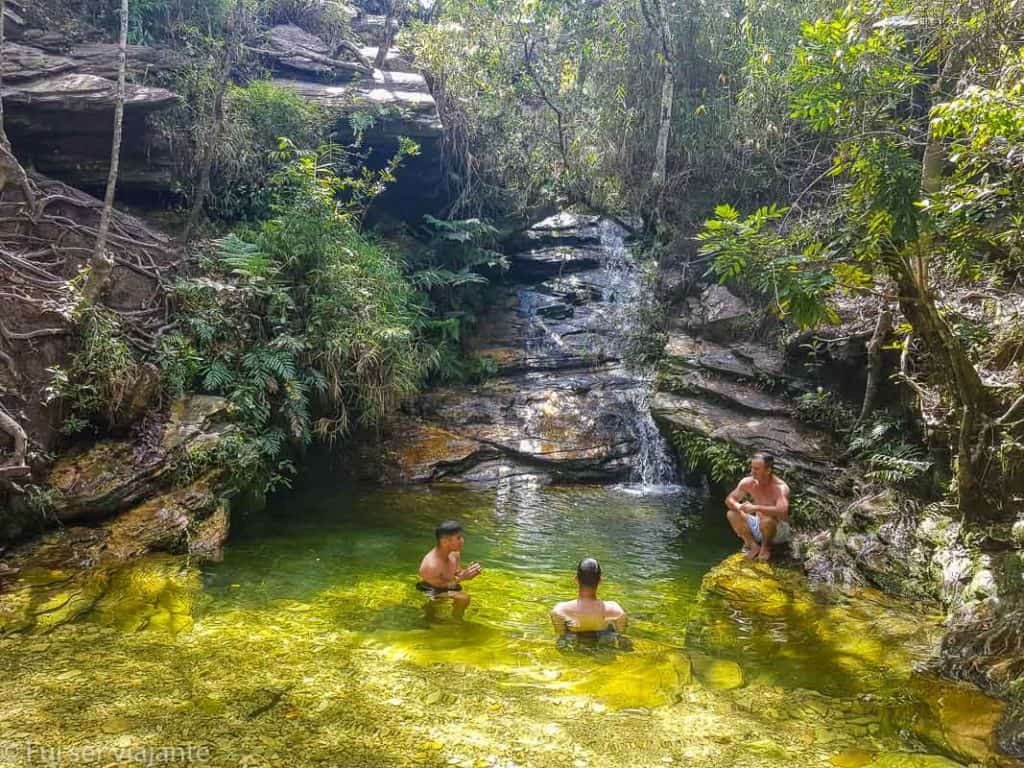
point(718, 314)
point(112, 475)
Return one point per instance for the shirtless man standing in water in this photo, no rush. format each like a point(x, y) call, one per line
point(441, 571)
point(764, 521)
point(586, 613)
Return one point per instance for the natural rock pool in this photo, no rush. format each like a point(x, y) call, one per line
point(308, 645)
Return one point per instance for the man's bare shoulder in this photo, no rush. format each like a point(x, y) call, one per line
point(747, 484)
point(613, 609)
point(562, 609)
point(431, 564)
point(782, 485)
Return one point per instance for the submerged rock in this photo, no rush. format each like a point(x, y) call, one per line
point(823, 641)
point(961, 717)
point(910, 760)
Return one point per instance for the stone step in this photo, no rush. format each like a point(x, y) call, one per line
point(729, 393)
point(740, 360)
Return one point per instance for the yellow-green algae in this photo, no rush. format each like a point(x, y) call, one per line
point(308, 646)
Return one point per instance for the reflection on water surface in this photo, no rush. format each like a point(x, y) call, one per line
point(309, 645)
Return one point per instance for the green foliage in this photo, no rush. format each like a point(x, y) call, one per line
point(43, 499)
point(882, 444)
point(257, 116)
point(825, 409)
point(698, 453)
point(150, 21)
point(451, 266)
point(95, 386)
point(305, 324)
point(744, 249)
point(978, 211)
point(328, 20)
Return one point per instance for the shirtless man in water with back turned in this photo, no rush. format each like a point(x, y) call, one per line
point(441, 570)
point(586, 613)
point(765, 521)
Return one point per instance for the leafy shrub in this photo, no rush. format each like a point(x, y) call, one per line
point(327, 19)
point(881, 443)
point(305, 324)
point(721, 463)
point(100, 375)
point(824, 409)
point(450, 271)
point(258, 115)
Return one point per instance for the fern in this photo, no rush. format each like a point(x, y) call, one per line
point(239, 257)
point(899, 464)
point(218, 378)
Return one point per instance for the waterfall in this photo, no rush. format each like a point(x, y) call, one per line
point(653, 465)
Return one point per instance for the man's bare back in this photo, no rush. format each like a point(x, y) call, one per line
point(588, 615)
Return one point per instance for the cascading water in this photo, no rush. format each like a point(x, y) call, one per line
point(652, 466)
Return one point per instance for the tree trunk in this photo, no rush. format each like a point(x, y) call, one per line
point(974, 471)
point(10, 425)
point(10, 168)
point(882, 328)
point(208, 149)
point(102, 262)
point(664, 33)
point(389, 37)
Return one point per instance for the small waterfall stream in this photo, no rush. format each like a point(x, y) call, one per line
point(652, 466)
point(566, 405)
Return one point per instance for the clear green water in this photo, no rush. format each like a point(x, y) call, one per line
point(309, 646)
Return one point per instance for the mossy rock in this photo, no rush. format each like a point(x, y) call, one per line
point(863, 643)
point(717, 674)
point(911, 760)
point(959, 718)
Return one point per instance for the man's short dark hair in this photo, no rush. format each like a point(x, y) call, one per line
point(447, 528)
point(588, 572)
point(767, 458)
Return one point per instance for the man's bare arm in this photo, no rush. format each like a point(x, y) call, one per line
point(779, 510)
point(735, 499)
point(616, 616)
point(558, 621)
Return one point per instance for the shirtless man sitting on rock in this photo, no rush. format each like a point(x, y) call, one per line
point(764, 521)
point(441, 571)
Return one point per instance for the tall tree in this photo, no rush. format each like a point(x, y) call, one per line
point(659, 22)
point(10, 168)
point(210, 143)
point(103, 262)
point(9, 165)
point(390, 22)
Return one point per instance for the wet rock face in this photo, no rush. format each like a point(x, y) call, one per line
point(725, 393)
point(563, 405)
point(112, 475)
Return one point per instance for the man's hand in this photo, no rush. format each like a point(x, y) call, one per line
point(749, 508)
point(471, 571)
